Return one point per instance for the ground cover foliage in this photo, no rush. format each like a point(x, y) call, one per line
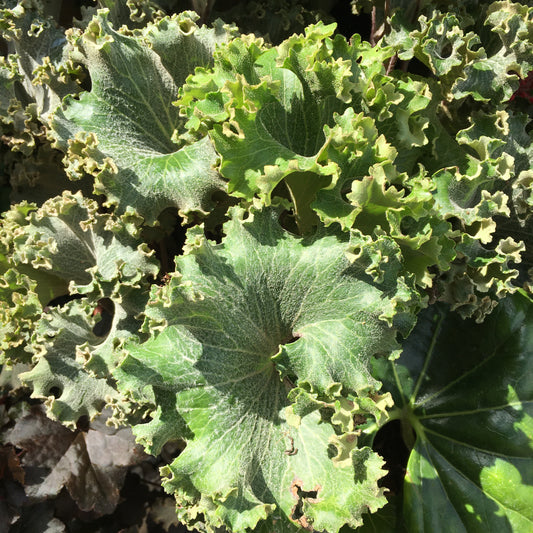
point(266, 266)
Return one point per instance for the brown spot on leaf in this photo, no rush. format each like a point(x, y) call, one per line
point(291, 450)
point(311, 496)
point(351, 437)
point(292, 337)
point(359, 419)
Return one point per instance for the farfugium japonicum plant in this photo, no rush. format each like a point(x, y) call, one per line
point(275, 244)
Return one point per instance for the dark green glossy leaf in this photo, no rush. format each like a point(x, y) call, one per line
point(467, 391)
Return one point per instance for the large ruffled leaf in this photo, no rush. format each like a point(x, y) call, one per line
point(280, 121)
point(73, 247)
point(484, 64)
point(75, 347)
point(35, 73)
point(18, 130)
point(122, 130)
point(466, 391)
point(275, 20)
point(489, 250)
point(268, 108)
point(19, 304)
point(32, 82)
point(67, 249)
point(248, 326)
point(135, 14)
point(440, 42)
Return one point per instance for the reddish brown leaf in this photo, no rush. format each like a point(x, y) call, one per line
point(91, 465)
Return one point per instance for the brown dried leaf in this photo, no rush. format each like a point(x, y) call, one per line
point(94, 468)
point(10, 465)
point(38, 519)
point(11, 492)
point(43, 441)
point(91, 465)
point(163, 512)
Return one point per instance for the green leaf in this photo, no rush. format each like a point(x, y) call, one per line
point(466, 391)
point(495, 77)
point(249, 325)
point(67, 248)
point(267, 108)
point(74, 351)
point(68, 241)
point(40, 51)
point(439, 41)
point(15, 117)
point(385, 520)
point(20, 306)
point(134, 14)
point(123, 129)
point(274, 20)
point(280, 120)
point(19, 309)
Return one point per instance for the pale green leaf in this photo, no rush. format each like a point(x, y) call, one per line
point(67, 249)
point(246, 324)
point(126, 123)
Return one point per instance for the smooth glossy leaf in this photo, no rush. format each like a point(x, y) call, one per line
point(467, 392)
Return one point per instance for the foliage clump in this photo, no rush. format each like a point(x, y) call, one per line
point(266, 247)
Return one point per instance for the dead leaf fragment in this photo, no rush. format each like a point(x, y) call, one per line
point(91, 465)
